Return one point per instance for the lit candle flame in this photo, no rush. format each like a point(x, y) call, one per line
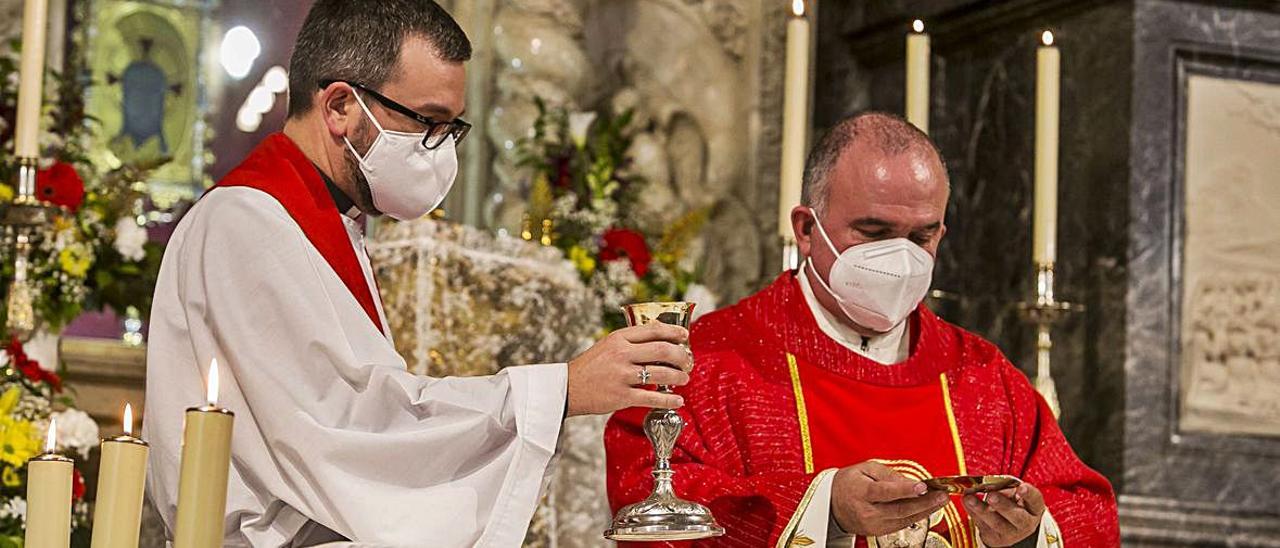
point(1047, 38)
point(917, 26)
point(51, 440)
point(213, 383)
point(797, 7)
point(128, 419)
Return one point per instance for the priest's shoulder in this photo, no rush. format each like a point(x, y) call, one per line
point(973, 349)
point(718, 330)
point(725, 339)
point(238, 211)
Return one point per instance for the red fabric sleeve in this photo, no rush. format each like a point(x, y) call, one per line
point(753, 506)
point(1081, 500)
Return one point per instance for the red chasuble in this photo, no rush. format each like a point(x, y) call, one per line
point(279, 168)
point(773, 401)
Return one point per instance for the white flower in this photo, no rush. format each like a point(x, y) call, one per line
point(701, 296)
point(130, 239)
point(15, 507)
point(76, 431)
point(579, 124)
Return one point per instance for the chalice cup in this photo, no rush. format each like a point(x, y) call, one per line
point(663, 515)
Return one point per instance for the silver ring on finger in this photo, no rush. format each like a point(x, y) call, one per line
point(644, 375)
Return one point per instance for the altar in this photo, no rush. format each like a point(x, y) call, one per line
point(463, 302)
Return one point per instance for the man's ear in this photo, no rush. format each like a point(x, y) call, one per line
point(802, 226)
point(338, 108)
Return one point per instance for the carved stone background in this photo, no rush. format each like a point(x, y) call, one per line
point(704, 77)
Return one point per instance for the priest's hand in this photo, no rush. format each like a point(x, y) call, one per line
point(1006, 517)
point(871, 499)
point(607, 376)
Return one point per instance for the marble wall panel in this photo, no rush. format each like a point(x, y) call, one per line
point(1176, 480)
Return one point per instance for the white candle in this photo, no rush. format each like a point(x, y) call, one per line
point(117, 515)
point(202, 482)
point(795, 116)
point(917, 99)
point(35, 19)
point(1048, 80)
point(49, 497)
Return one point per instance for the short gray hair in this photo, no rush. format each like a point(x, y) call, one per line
point(359, 41)
point(889, 133)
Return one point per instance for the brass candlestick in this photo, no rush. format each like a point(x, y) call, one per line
point(22, 220)
point(663, 515)
point(1044, 313)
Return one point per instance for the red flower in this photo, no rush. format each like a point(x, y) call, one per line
point(77, 484)
point(53, 379)
point(564, 176)
point(60, 185)
point(31, 368)
point(15, 350)
point(620, 242)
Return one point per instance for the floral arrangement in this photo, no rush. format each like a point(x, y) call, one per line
point(583, 200)
point(28, 397)
point(97, 254)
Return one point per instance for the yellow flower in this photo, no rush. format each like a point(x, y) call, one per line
point(19, 441)
point(582, 259)
point(6, 193)
point(75, 260)
point(61, 223)
point(11, 477)
point(9, 400)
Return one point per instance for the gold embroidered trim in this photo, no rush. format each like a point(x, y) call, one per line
point(803, 414)
point(951, 419)
point(785, 540)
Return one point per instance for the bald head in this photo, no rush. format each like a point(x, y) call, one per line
point(867, 136)
point(873, 177)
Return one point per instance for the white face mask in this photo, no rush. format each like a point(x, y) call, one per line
point(406, 180)
point(877, 284)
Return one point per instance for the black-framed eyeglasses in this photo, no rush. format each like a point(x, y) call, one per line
point(437, 132)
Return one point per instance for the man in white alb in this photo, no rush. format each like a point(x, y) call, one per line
point(334, 440)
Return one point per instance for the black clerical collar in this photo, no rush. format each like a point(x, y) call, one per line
point(345, 205)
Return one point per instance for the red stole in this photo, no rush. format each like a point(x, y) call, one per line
point(279, 168)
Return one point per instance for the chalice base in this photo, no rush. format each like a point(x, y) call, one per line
point(663, 518)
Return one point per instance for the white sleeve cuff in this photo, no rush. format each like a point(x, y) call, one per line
point(812, 524)
point(1050, 535)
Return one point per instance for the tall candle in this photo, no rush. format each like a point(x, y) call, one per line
point(1048, 81)
point(206, 460)
point(49, 497)
point(917, 95)
point(117, 514)
point(35, 20)
point(795, 116)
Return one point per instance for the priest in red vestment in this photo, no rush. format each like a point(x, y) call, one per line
point(819, 404)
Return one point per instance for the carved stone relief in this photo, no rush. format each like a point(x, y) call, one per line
point(701, 75)
point(538, 53)
point(1231, 287)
